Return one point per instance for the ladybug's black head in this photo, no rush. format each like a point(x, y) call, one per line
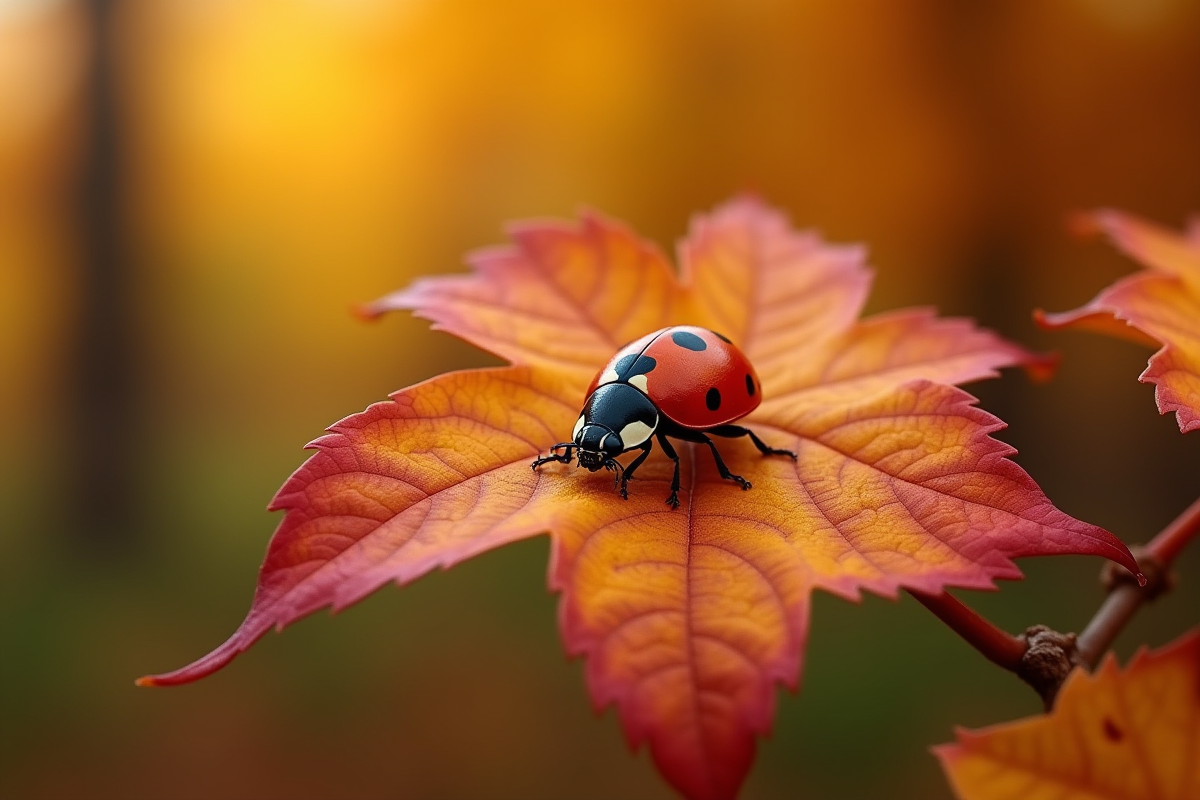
point(597, 445)
point(617, 417)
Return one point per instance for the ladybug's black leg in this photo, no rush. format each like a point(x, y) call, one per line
point(733, 431)
point(564, 458)
point(699, 438)
point(637, 462)
point(673, 499)
point(721, 468)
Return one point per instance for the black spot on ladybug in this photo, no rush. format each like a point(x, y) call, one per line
point(749, 385)
point(723, 338)
point(1111, 731)
point(713, 399)
point(634, 364)
point(688, 340)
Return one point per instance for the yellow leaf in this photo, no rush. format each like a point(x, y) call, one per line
point(1114, 735)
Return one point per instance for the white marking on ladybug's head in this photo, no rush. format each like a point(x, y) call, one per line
point(608, 376)
point(635, 433)
point(578, 428)
point(640, 382)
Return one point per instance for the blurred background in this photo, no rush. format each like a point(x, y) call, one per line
point(193, 193)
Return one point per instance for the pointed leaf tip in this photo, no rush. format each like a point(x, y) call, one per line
point(1041, 367)
point(150, 682)
point(203, 667)
point(367, 312)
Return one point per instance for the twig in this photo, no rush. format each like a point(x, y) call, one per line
point(1042, 657)
point(1125, 597)
point(1001, 648)
point(1167, 545)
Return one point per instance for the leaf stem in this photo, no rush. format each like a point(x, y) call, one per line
point(1001, 648)
point(1043, 657)
point(1125, 598)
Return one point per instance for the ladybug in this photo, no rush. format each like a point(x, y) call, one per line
point(681, 382)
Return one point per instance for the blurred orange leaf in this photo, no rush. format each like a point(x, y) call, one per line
point(1158, 306)
point(1114, 735)
point(690, 617)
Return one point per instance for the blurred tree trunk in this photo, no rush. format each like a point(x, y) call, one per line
point(103, 409)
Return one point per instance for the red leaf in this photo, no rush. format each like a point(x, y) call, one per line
point(688, 617)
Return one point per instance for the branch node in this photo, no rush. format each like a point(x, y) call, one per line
point(1048, 661)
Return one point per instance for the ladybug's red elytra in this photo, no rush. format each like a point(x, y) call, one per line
point(683, 382)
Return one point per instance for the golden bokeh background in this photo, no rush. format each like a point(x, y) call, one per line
point(278, 161)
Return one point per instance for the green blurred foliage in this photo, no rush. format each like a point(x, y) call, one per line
point(289, 158)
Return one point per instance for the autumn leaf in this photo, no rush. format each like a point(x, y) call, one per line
point(1114, 735)
point(1159, 306)
point(688, 618)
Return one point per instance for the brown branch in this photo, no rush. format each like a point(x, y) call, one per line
point(1125, 597)
point(1002, 649)
point(1167, 545)
point(1042, 657)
